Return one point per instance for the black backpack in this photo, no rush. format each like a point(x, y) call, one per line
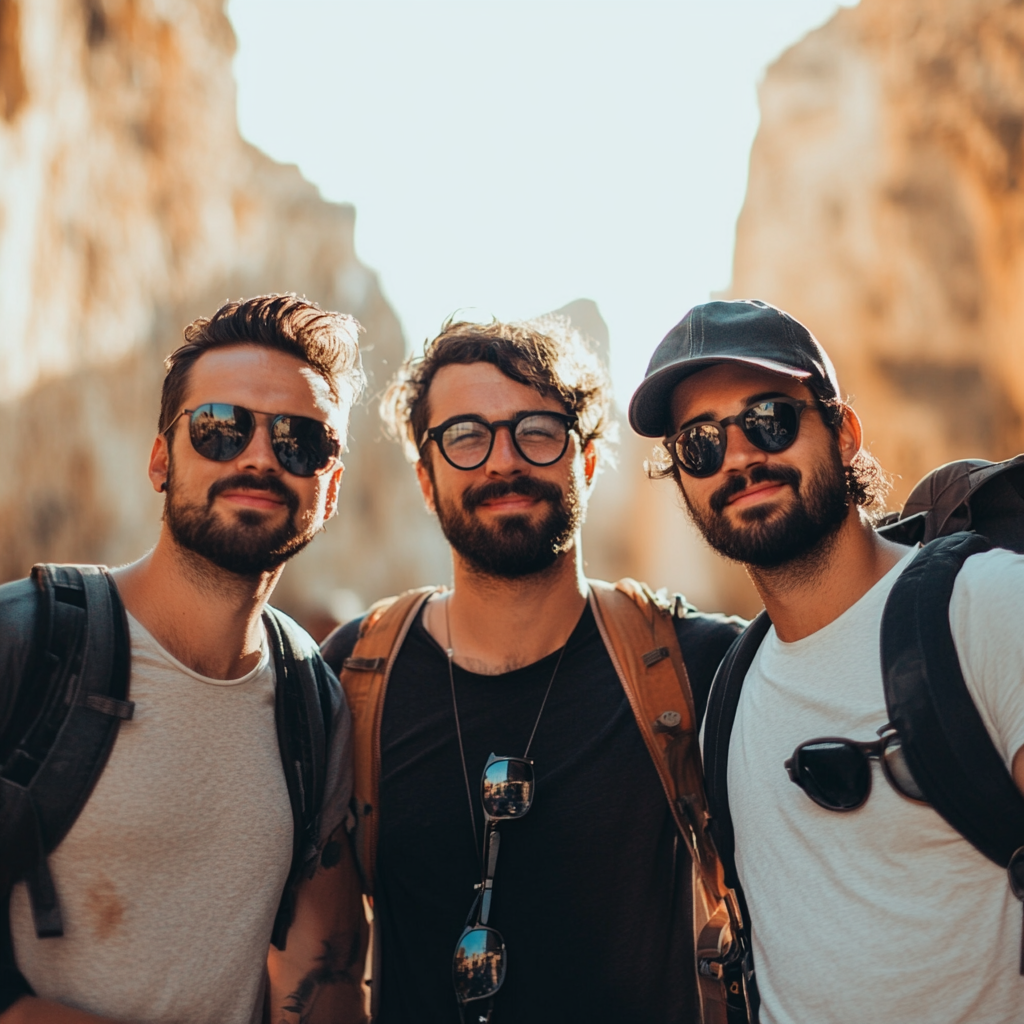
point(71, 700)
point(958, 510)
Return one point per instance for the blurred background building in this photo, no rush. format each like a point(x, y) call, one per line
point(884, 209)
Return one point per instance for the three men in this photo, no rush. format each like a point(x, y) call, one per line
point(204, 837)
point(503, 695)
point(883, 912)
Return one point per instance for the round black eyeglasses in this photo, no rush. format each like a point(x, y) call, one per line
point(221, 432)
point(771, 425)
point(466, 442)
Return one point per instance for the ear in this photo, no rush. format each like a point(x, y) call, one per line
point(590, 461)
point(159, 462)
point(333, 487)
point(426, 486)
point(851, 435)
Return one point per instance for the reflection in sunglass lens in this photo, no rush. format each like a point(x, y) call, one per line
point(507, 788)
point(701, 448)
point(836, 775)
point(478, 968)
point(898, 770)
point(770, 425)
point(302, 445)
point(220, 432)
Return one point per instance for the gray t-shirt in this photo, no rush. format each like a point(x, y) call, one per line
point(171, 876)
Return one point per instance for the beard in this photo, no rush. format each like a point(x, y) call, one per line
point(516, 546)
point(247, 546)
point(767, 537)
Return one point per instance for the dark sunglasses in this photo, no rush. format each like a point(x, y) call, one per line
point(466, 442)
point(480, 960)
point(221, 432)
point(836, 773)
point(771, 425)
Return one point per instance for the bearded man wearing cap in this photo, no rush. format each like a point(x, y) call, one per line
point(885, 911)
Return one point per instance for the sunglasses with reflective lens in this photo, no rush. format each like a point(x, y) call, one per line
point(480, 960)
point(466, 441)
point(221, 432)
point(771, 425)
point(836, 773)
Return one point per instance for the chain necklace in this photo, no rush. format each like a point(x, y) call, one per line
point(458, 728)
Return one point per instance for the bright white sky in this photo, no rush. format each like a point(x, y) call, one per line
point(508, 156)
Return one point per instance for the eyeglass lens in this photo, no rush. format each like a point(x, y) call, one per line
point(302, 445)
point(540, 439)
point(769, 425)
point(478, 968)
point(507, 788)
point(834, 774)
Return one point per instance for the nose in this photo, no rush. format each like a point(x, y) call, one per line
point(504, 459)
point(740, 454)
point(258, 456)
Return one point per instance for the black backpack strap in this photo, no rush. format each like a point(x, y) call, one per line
point(723, 702)
point(945, 742)
point(81, 695)
point(304, 715)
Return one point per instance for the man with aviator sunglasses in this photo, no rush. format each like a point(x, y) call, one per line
point(512, 823)
point(864, 903)
point(200, 880)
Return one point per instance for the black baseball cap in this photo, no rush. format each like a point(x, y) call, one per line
point(736, 331)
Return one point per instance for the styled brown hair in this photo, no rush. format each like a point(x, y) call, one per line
point(866, 481)
point(327, 342)
point(546, 354)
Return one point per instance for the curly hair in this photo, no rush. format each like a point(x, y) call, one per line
point(546, 354)
point(327, 342)
point(867, 483)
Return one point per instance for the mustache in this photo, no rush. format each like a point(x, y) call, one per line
point(251, 482)
point(526, 486)
point(758, 475)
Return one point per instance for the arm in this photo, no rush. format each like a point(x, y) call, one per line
point(1018, 769)
point(29, 1010)
point(318, 977)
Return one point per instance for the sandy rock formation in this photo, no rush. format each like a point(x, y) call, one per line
point(885, 208)
point(129, 204)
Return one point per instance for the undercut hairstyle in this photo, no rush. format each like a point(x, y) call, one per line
point(327, 342)
point(546, 354)
point(867, 483)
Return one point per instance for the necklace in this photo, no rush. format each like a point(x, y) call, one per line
point(458, 728)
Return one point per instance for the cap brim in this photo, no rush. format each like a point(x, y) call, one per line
point(648, 408)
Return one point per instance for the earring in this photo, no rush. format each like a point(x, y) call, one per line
point(163, 486)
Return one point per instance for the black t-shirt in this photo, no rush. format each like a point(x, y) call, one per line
point(592, 887)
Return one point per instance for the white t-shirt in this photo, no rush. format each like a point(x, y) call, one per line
point(884, 913)
point(170, 878)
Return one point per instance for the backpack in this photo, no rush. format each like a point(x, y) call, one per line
point(958, 510)
point(68, 706)
point(637, 630)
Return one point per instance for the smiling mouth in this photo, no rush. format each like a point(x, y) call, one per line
point(253, 499)
point(757, 492)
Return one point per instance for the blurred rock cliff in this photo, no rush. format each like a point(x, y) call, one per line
point(129, 204)
point(885, 209)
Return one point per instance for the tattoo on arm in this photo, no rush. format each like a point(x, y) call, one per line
point(332, 967)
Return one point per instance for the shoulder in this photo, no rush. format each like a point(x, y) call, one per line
point(714, 628)
point(988, 594)
point(341, 642)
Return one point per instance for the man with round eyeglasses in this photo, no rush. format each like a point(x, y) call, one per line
point(864, 903)
point(512, 823)
point(200, 878)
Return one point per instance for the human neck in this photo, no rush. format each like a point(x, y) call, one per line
point(498, 625)
point(207, 618)
point(805, 595)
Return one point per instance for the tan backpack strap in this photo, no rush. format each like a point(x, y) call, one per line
point(364, 677)
point(640, 635)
